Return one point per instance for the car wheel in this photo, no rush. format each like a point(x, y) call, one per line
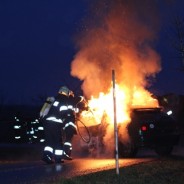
point(127, 151)
point(164, 150)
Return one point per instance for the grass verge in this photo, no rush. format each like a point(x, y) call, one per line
point(163, 171)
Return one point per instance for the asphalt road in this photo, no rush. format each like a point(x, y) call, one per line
point(28, 168)
point(38, 172)
point(21, 164)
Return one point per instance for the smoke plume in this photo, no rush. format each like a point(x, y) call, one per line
point(119, 35)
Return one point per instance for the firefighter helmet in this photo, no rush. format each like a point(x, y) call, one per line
point(64, 90)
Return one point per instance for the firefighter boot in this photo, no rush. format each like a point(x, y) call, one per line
point(47, 157)
point(67, 151)
point(58, 155)
point(59, 159)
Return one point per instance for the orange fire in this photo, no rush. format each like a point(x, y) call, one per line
point(104, 105)
point(118, 35)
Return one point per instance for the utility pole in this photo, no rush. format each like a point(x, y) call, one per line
point(115, 125)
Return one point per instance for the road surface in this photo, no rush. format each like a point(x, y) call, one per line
point(38, 172)
point(30, 169)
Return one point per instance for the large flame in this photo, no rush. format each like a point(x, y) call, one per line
point(119, 35)
point(104, 104)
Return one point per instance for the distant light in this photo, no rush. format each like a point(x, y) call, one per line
point(17, 119)
point(40, 128)
point(17, 127)
point(33, 122)
point(17, 137)
point(169, 112)
point(31, 132)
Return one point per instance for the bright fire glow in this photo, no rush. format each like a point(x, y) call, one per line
point(118, 35)
point(103, 105)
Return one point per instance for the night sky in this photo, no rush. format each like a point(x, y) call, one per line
point(37, 46)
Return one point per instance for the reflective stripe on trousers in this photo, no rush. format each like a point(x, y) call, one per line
point(48, 148)
point(68, 144)
point(70, 124)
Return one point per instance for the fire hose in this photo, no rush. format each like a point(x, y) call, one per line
point(87, 138)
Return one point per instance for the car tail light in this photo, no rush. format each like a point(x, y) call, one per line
point(144, 128)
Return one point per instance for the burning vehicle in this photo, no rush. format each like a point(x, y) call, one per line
point(153, 128)
point(148, 128)
point(123, 39)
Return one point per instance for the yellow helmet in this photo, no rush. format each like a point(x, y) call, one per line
point(64, 90)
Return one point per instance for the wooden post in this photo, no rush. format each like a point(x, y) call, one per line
point(115, 125)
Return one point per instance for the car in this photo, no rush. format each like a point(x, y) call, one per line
point(151, 128)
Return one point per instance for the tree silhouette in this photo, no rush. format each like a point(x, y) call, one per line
point(178, 39)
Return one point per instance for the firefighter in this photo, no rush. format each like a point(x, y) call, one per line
point(61, 118)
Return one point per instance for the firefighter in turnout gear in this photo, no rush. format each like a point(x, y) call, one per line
point(61, 119)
